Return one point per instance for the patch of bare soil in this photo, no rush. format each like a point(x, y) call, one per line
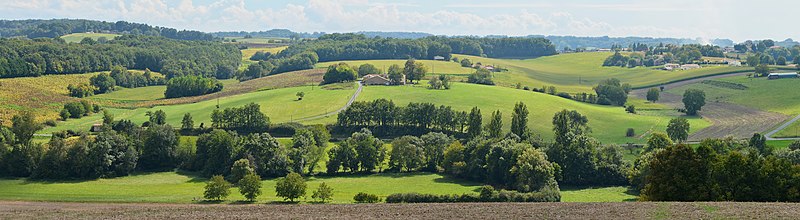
point(629, 210)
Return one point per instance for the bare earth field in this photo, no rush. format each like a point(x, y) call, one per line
point(627, 210)
point(728, 119)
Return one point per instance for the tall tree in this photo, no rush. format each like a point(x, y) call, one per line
point(187, 123)
point(24, 126)
point(568, 124)
point(495, 126)
point(519, 120)
point(694, 100)
point(475, 121)
point(678, 129)
point(653, 94)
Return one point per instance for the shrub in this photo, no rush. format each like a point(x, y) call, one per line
point(366, 198)
point(217, 188)
point(631, 109)
point(51, 123)
point(250, 186)
point(323, 193)
point(291, 187)
point(487, 194)
point(630, 132)
point(564, 95)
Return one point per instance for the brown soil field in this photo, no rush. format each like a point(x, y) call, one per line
point(627, 210)
point(727, 119)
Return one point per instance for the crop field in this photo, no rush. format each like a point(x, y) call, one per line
point(608, 123)
point(628, 210)
point(44, 95)
point(247, 53)
point(77, 37)
point(443, 67)
point(579, 72)
point(781, 96)
point(281, 105)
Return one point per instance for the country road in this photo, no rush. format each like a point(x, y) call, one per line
point(349, 102)
point(727, 119)
point(790, 122)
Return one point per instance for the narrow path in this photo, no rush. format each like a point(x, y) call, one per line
point(349, 102)
point(790, 122)
point(727, 119)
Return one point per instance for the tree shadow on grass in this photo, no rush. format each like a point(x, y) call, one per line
point(195, 176)
point(283, 203)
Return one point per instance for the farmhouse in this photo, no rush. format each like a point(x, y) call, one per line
point(671, 66)
point(690, 66)
point(782, 75)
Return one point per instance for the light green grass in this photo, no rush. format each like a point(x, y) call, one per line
point(579, 72)
point(608, 123)
point(280, 105)
point(446, 67)
point(789, 132)
point(171, 187)
point(247, 53)
point(77, 37)
point(134, 94)
point(600, 194)
point(781, 96)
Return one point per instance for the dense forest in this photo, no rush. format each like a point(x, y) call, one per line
point(21, 57)
point(59, 27)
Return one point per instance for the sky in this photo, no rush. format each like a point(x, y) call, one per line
point(732, 19)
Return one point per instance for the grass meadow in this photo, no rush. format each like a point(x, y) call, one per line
point(281, 105)
point(439, 67)
point(608, 123)
point(77, 37)
point(579, 72)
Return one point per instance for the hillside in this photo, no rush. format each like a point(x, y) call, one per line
point(443, 67)
point(608, 123)
point(579, 72)
point(77, 37)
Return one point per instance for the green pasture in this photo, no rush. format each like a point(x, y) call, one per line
point(608, 123)
point(597, 194)
point(446, 67)
point(781, 96)
point(281, 105)
point(249, 52)
point(77, 37)
point(579, 72)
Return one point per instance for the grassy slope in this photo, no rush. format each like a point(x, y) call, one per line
point(147, 93)
point(170, 187)
point(43, 95)
point(280, 105)
point(247, 53)
point(609, 123)
point(77, 37)
point(565, 70)
point(779, 96)
point(433, 66)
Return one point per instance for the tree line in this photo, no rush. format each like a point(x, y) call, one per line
point(55, 28)
point(30, 58)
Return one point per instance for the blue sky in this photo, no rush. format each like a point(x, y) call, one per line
point(734, 19)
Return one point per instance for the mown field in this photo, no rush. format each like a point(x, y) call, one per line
point(281, 105)
point(44, 95)
point(77, 37)
point(172, 187)
point(445, 67)
point(781, 96)
point(608, 123)
point(579, 72)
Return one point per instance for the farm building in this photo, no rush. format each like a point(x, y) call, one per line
point(671, 66)
point(690, 66)
point(782, 75)
point(96, 128)
point(439, 58)
point(734, 63)
point(375, 79)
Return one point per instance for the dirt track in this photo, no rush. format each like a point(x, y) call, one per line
point(629, 210)
point(728, 119)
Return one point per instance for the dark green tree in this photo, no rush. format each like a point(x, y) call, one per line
point(475, 121)
point(291, 187)
point(678, 129)
point(519, 120)
point(495, 126)
point(250, 186)
point(217, 189)
point(653, 94)
point(694, 100)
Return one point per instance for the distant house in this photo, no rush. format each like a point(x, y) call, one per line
point(672, 66)
point(489, 67)
point(439, 58)
point(96, 128)
point(690, 66)
point(604, 50)
point(383, 79)
point(782, 75)
point(734, 62)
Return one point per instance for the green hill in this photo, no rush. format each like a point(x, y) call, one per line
point(608, 123)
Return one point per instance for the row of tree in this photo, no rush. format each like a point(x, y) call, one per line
point(191, 86)
point(59, 27)
point(21, 57)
